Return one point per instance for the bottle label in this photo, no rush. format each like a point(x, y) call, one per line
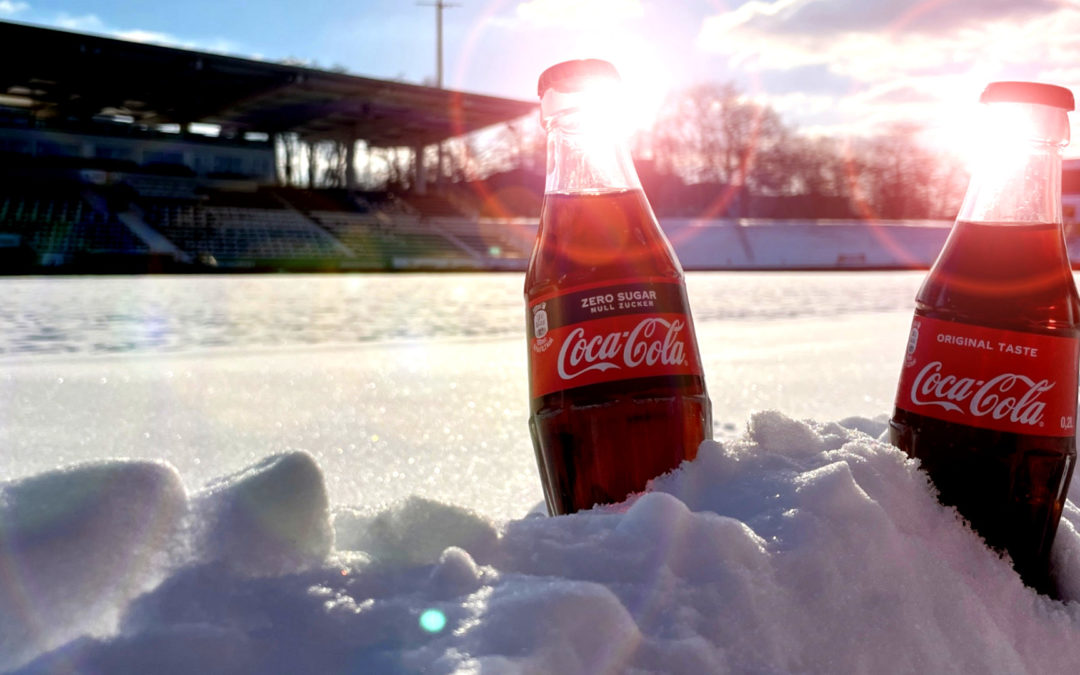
point(615, 331)
point(990, 378)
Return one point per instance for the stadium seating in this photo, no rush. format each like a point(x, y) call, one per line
point(385, 230)
point(57, 223)
point(241, 235)
point(486, 238)
point(401, 240)
point(307, 201)
point(64, 214)
point(149, 186)
point(433, 205)
point(101, 234)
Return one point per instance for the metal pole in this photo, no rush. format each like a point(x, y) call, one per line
point(438, 44)
point(439, 6)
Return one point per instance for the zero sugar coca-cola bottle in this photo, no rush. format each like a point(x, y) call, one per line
point(615, 378)
point(988, 390)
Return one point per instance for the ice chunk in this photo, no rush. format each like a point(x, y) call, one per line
point(871, 427)
point(271, 518)
point(415, 531)
point(76, 544)
point(778, 432)
point(555, 627)
point(172, 650)
point(456, 574)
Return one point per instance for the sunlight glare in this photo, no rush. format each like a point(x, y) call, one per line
point(953, 124)
point(644, 72)
point(646, 79)
point(1003, 134)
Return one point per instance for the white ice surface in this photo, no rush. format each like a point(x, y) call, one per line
point(443, 419)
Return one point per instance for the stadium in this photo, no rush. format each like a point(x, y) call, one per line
point(102, 172)
point(107, 167)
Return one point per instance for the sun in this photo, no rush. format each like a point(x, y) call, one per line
point(645, 74)
point(646, 83)
point(998, 137)
point(955, 124)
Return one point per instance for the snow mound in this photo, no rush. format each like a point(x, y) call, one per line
point(269, 519)
point(801, 546)
point(415, 532)
point(76, 545)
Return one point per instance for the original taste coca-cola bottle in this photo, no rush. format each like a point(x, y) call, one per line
point(615, 377)
point(988, 391)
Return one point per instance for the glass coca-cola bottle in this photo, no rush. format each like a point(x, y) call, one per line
point(988, 390)
point(616, 385)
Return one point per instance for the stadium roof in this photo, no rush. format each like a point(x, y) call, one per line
point(58, 73)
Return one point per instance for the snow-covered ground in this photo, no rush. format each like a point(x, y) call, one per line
point(333, 474)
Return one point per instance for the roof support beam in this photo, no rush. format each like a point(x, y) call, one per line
point(350, 163)
point(419, 180)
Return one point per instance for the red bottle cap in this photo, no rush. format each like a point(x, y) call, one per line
point(1028, 92)
point(572, 75)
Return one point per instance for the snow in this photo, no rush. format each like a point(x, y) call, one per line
point(77, 544)
point(293, 501)
point(800, 546)
point(268, 520)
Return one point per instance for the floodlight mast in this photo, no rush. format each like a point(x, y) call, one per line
point(439, 6)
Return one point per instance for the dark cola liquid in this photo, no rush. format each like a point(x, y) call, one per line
point(596, 444)
point(1010, 487)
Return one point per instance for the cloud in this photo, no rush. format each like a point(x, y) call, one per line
point(88, 23)
point(218, 45)
point(900, 92)
point(871, 45)
point(811, 79)
point(806, 106)
point(849, 67)
point(148, 36)
point(576, 13)
point(9, 8)
point(830, 17)
point(91, 23)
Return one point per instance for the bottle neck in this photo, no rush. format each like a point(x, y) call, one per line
point(586, 155)
point(1018, 180)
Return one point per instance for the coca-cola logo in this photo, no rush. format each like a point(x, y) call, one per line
point(653, 340)
point(1009, 396)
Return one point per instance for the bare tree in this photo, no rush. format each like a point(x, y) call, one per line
point(711, 133)
point(293, 159)
point(897, 175)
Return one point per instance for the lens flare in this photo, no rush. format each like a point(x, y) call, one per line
point(433, 621)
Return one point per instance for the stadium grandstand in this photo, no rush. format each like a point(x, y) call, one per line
point(105, 166)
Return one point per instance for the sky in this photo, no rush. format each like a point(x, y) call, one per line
point(834, 67)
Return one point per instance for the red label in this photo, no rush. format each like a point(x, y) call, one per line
point(990, 378)
point(590, 335)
